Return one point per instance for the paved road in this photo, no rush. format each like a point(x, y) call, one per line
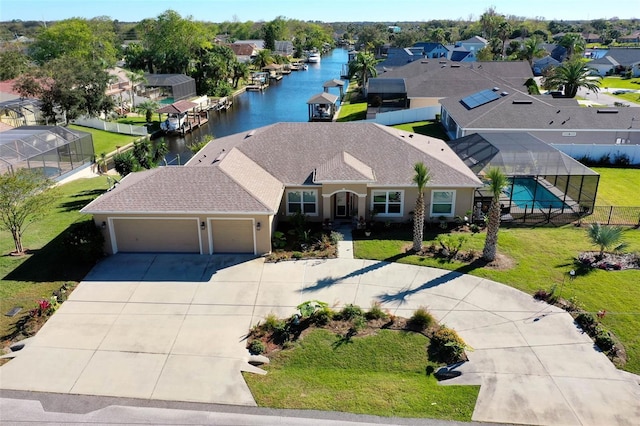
point(172, 327)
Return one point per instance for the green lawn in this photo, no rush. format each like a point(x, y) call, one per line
point(26, 279)
point(620, 83)
point(542, 257)
point(428, 128)
point(382, 375)
point(105, 141)
point(615, 185)
point(353, 112)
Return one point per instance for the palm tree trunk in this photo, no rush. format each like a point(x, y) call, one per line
point(491, 242)
point(418, 224)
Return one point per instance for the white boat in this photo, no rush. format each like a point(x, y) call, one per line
point(305, 67)
point(313, 58)
point(173, 123)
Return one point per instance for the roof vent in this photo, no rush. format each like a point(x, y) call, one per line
point(504, 93)
point(424, 62)
point(455, 65)
point(496, 89)
point(251, 133)
point(220, 157)
point(607, 111)
point(442, 62)
point(521, 102)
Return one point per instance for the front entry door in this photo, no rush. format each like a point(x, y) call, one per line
point(341, 204)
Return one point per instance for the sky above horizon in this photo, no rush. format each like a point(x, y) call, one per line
point(326, 11)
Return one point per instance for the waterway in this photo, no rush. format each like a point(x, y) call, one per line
point(284, 100)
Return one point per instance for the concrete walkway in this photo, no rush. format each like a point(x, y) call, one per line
point(172, 327)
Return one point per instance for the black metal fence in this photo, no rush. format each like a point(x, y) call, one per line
point(605, 215)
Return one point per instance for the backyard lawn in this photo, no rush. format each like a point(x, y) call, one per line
point(105, 141)
point(24, 280)
point(620, 83)
point(428, 128)
point(615, 185)
point(353, 112)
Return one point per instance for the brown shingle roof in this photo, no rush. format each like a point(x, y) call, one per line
point(178, 107)
point(343, 167)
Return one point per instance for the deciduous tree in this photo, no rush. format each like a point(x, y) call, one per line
point(25, 196)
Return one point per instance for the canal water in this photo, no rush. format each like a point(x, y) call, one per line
point(284, 100)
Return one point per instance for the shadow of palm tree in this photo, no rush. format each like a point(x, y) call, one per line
point(402, 295)
point(329, 281)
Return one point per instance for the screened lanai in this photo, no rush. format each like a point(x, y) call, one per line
point(541, 178)
point(53, 150)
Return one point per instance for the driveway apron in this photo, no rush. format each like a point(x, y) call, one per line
point(173, 327)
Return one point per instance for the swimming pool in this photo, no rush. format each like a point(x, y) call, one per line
point(529, 193)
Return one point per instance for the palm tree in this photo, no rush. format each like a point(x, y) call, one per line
point(574, 43)
point(136, 78)
point(421, 178)
point(262, 59)
point(504, 32)
point(605, 237)
point(531, 49)
point(497, 182)
point(572, 75)
point(147, 108)
point(240, 71)
point(363, 67)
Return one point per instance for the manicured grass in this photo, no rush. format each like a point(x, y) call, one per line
point(105, 141)
point(629, 97)
point(353, 112)
point(542, 257)
point(616, 186)
point(26, 279)
point(382, 375)
point(620, 83)
point(428, 128)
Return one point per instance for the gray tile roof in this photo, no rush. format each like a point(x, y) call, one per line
point(619, 56)
point(178, 190)
point(343, 167)
point(292, 151)
point(518, 110)
point(440, 78)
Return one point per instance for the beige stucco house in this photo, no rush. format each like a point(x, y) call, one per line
point(230, 197)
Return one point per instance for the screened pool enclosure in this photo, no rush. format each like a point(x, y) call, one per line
point(51, 150)
point(544, 183)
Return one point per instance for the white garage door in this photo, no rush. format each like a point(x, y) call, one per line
point(156, 235)
point(232, 236)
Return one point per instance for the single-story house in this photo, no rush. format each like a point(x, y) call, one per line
point(244, 52)
point(231, 195)
point(618, 61)
point(560, 122)
point(634, 37)
point(429, 80)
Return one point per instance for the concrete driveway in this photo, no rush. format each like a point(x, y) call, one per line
point(172, 327)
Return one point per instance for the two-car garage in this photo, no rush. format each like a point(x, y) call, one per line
point(181, 235)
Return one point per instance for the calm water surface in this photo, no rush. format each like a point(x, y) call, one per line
point(285, 100)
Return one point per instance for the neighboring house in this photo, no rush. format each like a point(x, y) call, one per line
point(618, 61)
point(461, 54)
point(174, 87)
point(557, 52)
point(244, 52)
point(560, 122)
point(591, 38)
point(398, 57)
point(429, 80)
point(432, 49)
point(540, 65)
point(634, 37)
point(466, 50)
point(232, 194)
point(259, 44)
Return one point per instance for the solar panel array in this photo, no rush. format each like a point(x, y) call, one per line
point(480, 98)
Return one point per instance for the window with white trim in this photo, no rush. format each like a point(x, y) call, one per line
point(387, 203)
point(443, 203)
point(302, 201)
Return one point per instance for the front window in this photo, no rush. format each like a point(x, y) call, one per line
point(443, 203)
point(299, 201)
point(388, 203)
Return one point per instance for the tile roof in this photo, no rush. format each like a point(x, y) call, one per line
point(323, 98)
point(292, 151)
point(440, 78)
point(518, 110)
point(178, 190)
point(343, 167)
